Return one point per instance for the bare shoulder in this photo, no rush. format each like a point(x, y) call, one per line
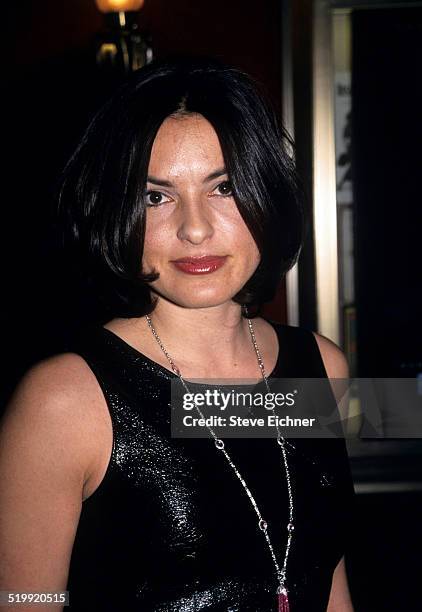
point(55, 387)
point(334, 359)
point(48, 441)
point(58, 404)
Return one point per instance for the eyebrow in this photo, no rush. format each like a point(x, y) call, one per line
point(157, 181)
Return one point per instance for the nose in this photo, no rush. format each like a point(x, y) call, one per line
point(194, 224)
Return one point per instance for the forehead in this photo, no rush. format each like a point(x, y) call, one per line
point(185, 143)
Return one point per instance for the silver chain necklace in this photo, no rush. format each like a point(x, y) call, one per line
point(282, 594)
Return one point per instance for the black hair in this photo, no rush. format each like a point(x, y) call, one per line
point(101, 209)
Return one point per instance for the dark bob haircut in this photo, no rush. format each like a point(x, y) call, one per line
point(101, 210)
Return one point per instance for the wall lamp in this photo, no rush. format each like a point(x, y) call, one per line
point(122, 47)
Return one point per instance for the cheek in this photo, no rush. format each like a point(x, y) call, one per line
point(157, 237)
point(253, 257)
point(242, 239)
point(249, 251)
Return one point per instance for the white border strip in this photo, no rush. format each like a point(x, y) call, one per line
point(324, 176)
point(292, 276)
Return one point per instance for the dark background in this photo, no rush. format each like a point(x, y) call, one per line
point(51, 89)
point(384, 563)
point(387, 164)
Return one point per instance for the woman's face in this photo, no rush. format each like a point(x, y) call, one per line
point(195, 236)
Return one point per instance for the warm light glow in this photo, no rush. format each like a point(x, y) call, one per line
point(116, 6)
point(324, 171)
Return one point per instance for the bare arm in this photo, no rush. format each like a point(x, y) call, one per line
point(45, 454)
point(340, 600)
point(336, 366)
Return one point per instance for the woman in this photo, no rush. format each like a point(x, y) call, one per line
point(183, 203)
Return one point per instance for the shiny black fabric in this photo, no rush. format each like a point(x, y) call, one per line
point(171, 528)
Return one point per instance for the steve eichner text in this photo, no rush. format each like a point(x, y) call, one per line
point(236, 421)
point(222, 400)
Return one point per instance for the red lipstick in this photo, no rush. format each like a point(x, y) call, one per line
point(199, 265)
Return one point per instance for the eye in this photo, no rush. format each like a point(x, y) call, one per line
point(155, 198)
point(224, 189)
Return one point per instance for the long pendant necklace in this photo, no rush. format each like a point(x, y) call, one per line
point(281, 592)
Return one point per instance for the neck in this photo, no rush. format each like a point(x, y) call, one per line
point(217, 332)
point(202, 342)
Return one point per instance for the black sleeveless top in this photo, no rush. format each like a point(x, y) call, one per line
point(170, 528)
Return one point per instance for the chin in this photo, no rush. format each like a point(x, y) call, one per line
point(196, 299)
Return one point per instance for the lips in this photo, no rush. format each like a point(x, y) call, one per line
point(200, 265)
